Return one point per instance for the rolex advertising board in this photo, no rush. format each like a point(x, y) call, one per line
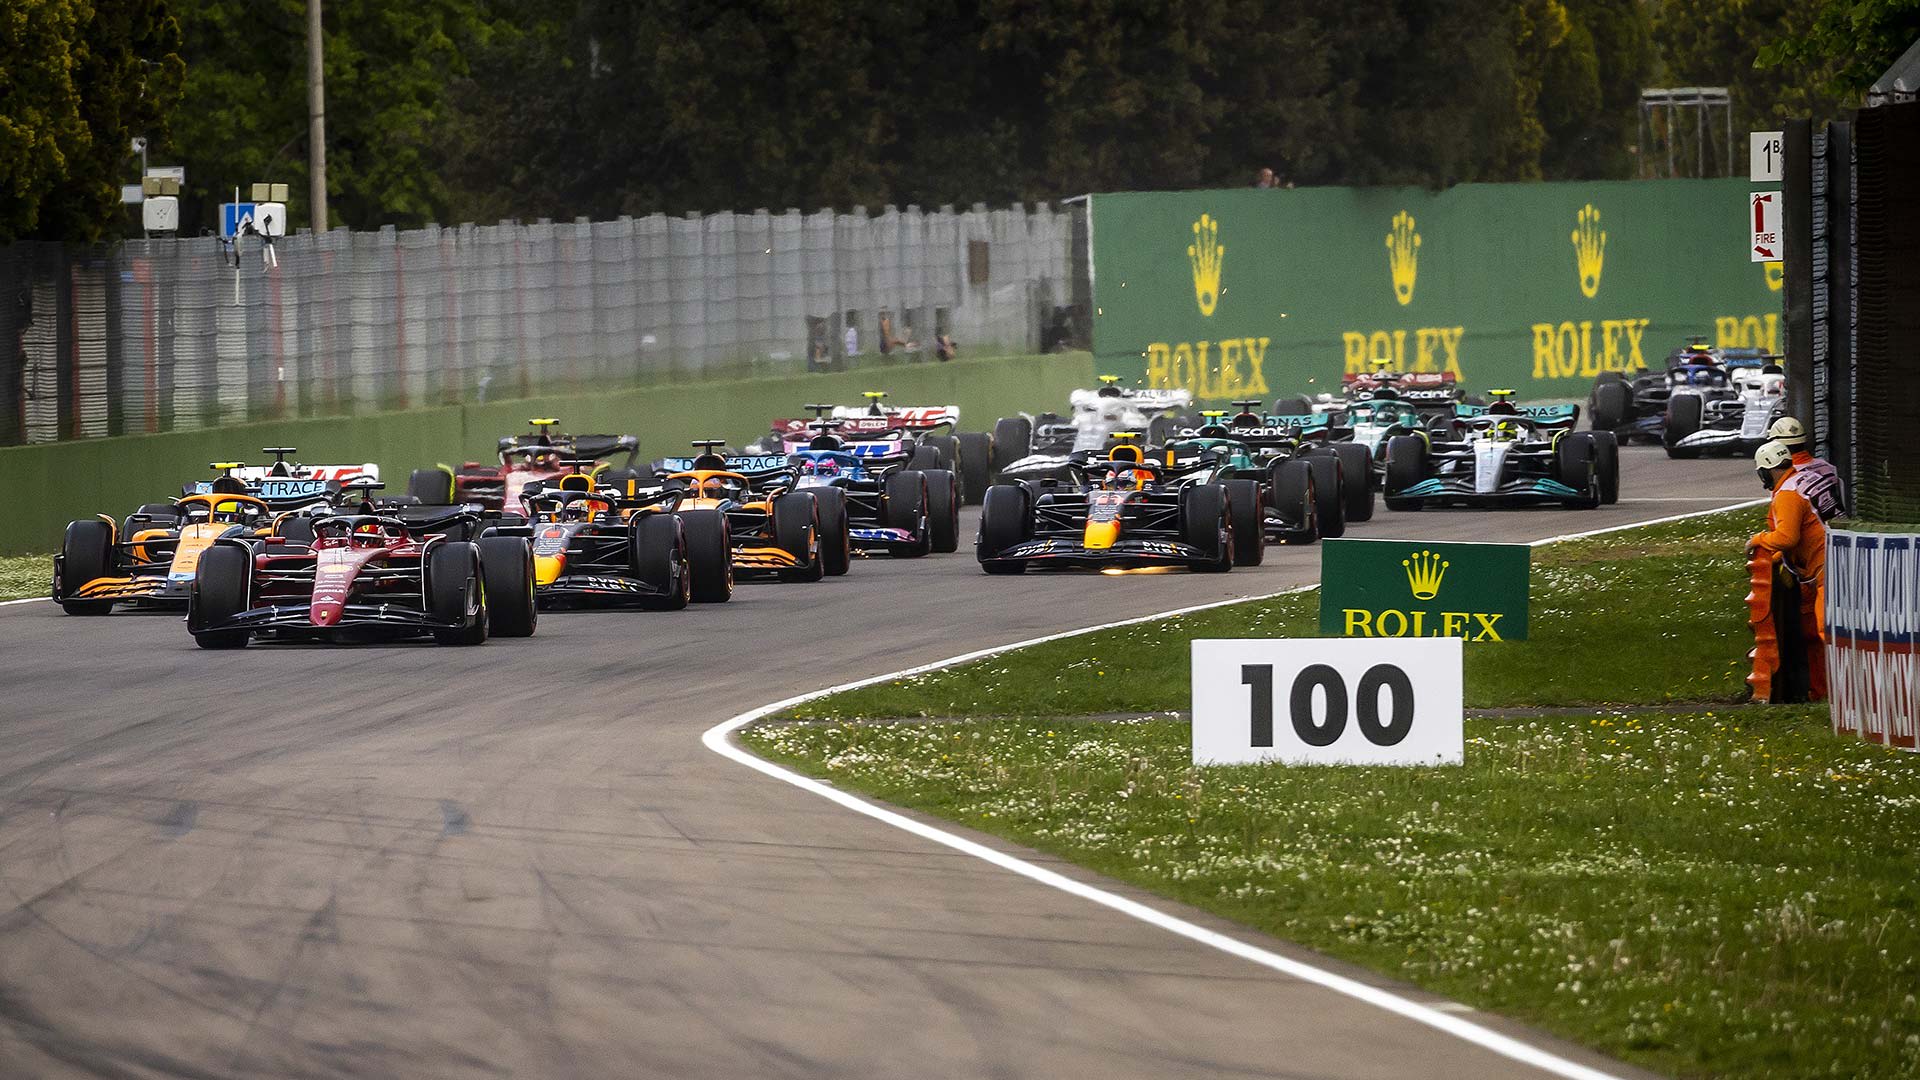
point(1252, 293)
point(1418, 588)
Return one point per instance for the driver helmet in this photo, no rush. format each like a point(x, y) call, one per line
point(579, 510)
point(820, 467)
point(1506, 430)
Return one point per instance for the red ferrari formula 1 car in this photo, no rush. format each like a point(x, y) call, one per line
point(366, 576)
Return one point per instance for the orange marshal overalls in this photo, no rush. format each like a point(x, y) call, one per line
point(1790, 554)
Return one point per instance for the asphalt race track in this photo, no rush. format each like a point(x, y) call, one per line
point(519, 860)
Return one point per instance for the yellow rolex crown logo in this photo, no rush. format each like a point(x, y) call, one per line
point(1206, 253)
point(1589, 249)
point(1776, 275)
point(1403, 256)
point(1424, 571)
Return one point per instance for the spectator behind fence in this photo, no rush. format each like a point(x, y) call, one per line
point(853, 340)
point(944, 348)
point(1795, 541)
point(1818, 480)
point(1264, 179)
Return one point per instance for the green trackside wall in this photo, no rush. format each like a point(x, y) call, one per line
point(1539, 287)
point(52, 484)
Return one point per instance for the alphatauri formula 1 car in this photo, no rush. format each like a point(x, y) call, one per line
point(366, 576)
point(1708, 399)
point(1503, 455)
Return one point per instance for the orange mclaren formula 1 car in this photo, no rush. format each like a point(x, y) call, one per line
point(774, 533)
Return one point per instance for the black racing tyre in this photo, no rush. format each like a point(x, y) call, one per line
point(836, 531)
point(975, 465)
point(949, 447)
point(86, 553)
point(433, 487)
point(219, 591)
point(158, 515)
point(1291, 480)
point(1004, 521)
point(1406, 466)
point(657, 552)
point(906, 507)
point(1356, 476)
point(1012, 440)
point(1574, 465)
point(927, 457)
point(1683, 419)
point(1609, 376)
point(1203, 524)
point(1606, 461)
point(1247, 512)
point(296, 530)
point(1329, 508)
point(709, 555)
point(1161, 430)
point(1612, 400)
point(506, 568)
point(621, 480)
point(796, 528)
point(453, 572)
point(943, 510)
point(1296, 405)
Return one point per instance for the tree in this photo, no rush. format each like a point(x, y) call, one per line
point(1852, 42)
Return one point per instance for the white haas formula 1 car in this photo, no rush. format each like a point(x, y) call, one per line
point(1041, 445)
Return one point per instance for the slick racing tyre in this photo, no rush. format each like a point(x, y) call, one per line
point(657, 548)
point(86, 553)
point(943, 510)
point(1292, 406)
point(709, 555)
point(796, 528)
point(1606, 462)
point(1683, 419)
point(506, 570)
point(1406, 466)
point(454, 575)
point(1329, 508)
point(1611, 401)
point(1004, 521)
point(1247, 510)
point(217, 594)
point(1574, 466)
point(1356, 476)
point(1204, 525)
point(905, 506)
point(836, 537)
point(975, 465)
point(1012, 440)
point(433, 487)
point(1292, 482)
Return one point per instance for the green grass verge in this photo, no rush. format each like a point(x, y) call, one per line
point(1645, 616)
point(22, 576)
point(1723, 893)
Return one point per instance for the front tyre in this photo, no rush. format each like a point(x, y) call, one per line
point(456, 593)
point(906, 509)
point(709, 555)
point(1356, 475)
point(1406, 467)
point(1004, 522)
point(1204, 525)
point(975, 465)
point(506, 573)
point(836, 532)
point(1247, 511)
point(943, 510)
point(87, 553)
point(218, 593)
point(796, 528)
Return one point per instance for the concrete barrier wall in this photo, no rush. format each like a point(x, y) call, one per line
point(51, 485)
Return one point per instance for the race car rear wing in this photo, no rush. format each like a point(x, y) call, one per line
point(1543, 415)
point(902, 417)
point(751, 466)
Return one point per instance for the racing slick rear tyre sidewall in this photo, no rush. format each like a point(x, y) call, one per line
point(1012, 440)
point(658, 550)
point(928, 455)
point(906, 508)
point(1356, 481)
point(1329, 509)
point(86, 553)
point(836, 537)
point(1004, 521)
point(1574, 465)
point(1683, 419)
point(709, 555)
point(433, 487)
point(943, 510)
point(506, 568)
point(949, 448)
point(1292, 482)
point(1292, 406)
point(975, 465)
point(1611, 401)
point(1204, 525)
point(218, 593)
point(453, 567)
point(1406, 466)
point(796, 528)
point(1160, 430)
point(296, 530)
point(158, 515)
point(1246, 508)
point(1606, 461)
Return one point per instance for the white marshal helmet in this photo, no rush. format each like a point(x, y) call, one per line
point(1772, 455)
point(1789, 431)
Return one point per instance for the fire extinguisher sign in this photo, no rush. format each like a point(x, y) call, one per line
point(1764, 215)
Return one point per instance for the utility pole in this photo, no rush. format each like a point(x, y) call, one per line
point(317, 119)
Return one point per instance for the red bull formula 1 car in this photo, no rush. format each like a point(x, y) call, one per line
point(598, 547)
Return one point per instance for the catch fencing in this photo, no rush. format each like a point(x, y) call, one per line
point(171, 334)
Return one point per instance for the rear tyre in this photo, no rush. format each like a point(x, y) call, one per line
point(86, 553)
point(1356, 475)
point(948, 446)
point(453, 575)
point(1292, 483)
point(1247, 511)
point(943, 510)
point(796, 528)
point(1293, 406)
point(1203, 524)
point(658, 549)
point(975, 465)
point(506, 571)
point(1406, 466)
point(709, 555)
point(1683, 419)
point(1574, 466)
point(1329, 509)
point(1606, 462)
point(1612, 400)
point(433, 487)
point(1012, 440)
point(296, 530)
point(158, 515)
point(836, 536)
point(906, 508)
point(217, 594)
point(1004, 522)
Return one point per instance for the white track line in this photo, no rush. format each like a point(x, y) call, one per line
point(1440, 1016)
point(28, 600)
